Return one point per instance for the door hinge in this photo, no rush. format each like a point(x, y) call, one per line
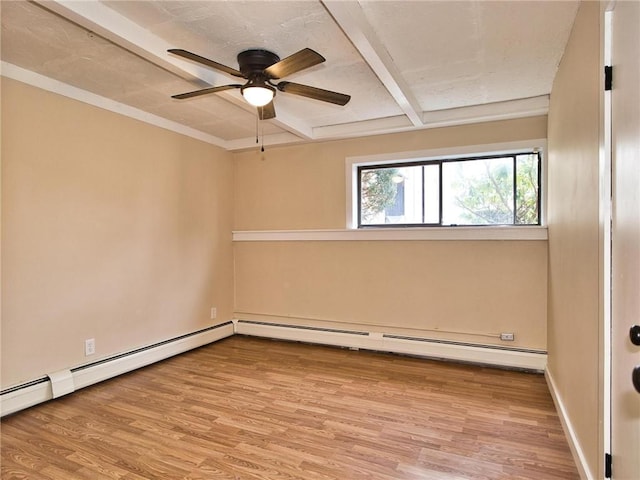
point(607, 465)
point(608, 77)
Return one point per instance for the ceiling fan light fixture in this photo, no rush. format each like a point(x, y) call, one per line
point(260, 68)
point(258, 95)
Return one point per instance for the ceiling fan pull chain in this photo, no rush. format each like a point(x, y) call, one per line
point(257, 120)
point(262, 146)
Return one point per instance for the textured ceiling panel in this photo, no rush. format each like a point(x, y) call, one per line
point(484, 52)
point(38, 40)
point(401, 61)
point(221, 30)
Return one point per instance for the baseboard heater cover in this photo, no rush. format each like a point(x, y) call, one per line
point(463, 344)
point(495, 355)
point(303, 327)
point(40, 390)
point(60, 383)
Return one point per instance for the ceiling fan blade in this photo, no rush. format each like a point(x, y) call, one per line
point(315, 93)
point(305, 58)
point(205, 61)
point(267, 112)
point(205, 91)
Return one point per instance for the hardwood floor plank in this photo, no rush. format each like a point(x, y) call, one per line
point(247, 408)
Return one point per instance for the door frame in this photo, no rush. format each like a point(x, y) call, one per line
point(604, 247)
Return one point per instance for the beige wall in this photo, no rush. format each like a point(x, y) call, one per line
point(111, 229)
point(573, 338)
point(120, 231)
point(422, 288)
point(303, 187)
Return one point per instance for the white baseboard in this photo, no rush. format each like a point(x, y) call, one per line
point(38, 391)
point(424, 347)
point(576, 450)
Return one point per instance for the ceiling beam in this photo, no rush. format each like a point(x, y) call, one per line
point(488, 112)
point(94, 16)
point(351, 19)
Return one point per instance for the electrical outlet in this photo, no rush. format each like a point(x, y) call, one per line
point(89, 346)
point(214, 313)
point(507, 337)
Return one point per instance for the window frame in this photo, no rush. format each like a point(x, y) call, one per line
point(439, 156)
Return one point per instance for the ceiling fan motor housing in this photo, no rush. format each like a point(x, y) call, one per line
point(254, 62)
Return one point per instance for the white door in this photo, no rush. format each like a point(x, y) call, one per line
point(625, 235)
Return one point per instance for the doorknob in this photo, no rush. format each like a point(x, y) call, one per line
point(634, 334)
point(635, 376)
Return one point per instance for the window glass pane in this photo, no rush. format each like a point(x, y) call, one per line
point(409, 195)
point(478, 192)
point(504, 190)
point(432, 193)
point(527, 185)
point(377, 193)
point(391, 195)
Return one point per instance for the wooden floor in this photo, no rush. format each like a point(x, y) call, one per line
point(247, 408)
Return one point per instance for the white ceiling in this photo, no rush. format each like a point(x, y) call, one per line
point(406, 64)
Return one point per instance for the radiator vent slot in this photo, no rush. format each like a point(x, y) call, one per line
point(463, 344)
point(22, 386)
point(148, 347)
point(304, 327)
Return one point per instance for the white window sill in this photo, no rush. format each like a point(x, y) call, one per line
point(391, 234)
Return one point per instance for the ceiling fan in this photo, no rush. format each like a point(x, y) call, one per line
point(260, 68)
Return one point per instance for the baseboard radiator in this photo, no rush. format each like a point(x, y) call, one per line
point(63, 382)
point(67, 381)
point(493, 355)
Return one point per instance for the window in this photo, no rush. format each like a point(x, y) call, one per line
point(499, 189)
